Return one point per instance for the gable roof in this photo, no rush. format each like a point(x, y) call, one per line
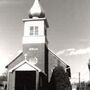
point(58, 58)
point(17, 56)
point(50, 51)
point(33, 67)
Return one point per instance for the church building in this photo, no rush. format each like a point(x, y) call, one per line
point(32, 68)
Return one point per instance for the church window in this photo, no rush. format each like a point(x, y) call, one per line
point(34, 30)
point(31, 30)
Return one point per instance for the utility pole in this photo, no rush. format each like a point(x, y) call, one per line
point(79, 82)
point(89, 68)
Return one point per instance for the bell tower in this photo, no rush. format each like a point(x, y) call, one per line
point(35, 37)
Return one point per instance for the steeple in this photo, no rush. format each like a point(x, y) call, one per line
point(35, 37)
point(36, 10)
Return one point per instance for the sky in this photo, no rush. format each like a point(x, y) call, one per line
point(68, 32)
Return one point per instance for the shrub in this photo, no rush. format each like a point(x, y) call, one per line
point(59, 79)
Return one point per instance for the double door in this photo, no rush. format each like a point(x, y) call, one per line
point(25, 80)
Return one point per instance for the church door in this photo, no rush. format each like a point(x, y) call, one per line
point(25, 80)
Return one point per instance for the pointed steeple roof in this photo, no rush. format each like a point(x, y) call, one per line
point(36, 10)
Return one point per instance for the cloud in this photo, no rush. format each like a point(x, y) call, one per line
point(73, 51)
point(61, 52)
point(80, 51)
point(64, 51)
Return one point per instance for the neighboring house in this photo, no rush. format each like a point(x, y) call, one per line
point(32, 68)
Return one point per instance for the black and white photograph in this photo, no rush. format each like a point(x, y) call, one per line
point(44, 44)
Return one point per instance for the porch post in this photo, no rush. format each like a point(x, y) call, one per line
point(37, 79)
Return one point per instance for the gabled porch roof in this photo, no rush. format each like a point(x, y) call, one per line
point(24, 66)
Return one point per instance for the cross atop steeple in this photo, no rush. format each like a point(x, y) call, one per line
point(36, 10)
